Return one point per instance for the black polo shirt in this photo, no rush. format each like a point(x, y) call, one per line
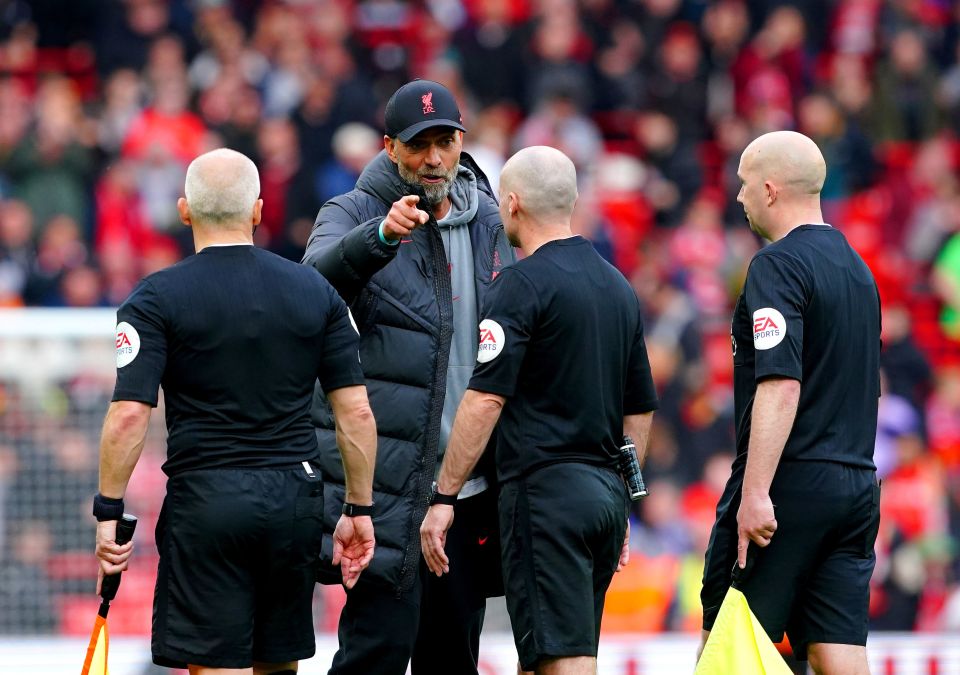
point(810, 311)
point(237, 337)
point(562, 340)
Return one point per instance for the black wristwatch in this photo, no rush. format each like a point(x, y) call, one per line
point(353, 510)
point(437, 497)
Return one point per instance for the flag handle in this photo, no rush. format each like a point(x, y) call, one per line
point(108, 591)
point(110, 584)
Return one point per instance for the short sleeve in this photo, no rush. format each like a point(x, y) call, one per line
point(340, 363)
point(141, 346)
point(639, 395)
point(775, 296)
point(508, 316)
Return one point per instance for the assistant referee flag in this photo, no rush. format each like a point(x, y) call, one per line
point(96, 661)
point(738, 644)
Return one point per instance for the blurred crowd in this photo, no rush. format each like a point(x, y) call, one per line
point(104, 102)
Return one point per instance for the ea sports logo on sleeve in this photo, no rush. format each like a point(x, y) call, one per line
point(490, 342)
point(769, 328)
point(128, 344)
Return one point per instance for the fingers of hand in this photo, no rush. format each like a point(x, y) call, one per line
point(742, 543)
point(365, 560)
point(108, 568)
point(104, 546)
point(112, 554)
point(392, 231)
point(415, 214)
point(404, 216)
point(444, 562)
point(762, 534)
point(434, 555)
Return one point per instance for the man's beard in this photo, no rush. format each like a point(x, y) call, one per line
point(435, 193)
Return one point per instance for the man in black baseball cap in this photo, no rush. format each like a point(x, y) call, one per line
point(412, 250)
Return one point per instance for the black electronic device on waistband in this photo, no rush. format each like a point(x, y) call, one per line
point(630, 469)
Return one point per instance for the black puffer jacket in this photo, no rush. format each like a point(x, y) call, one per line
point(400, 298)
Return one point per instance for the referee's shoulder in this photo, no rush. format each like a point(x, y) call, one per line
point(167, 275)
point(773, 251)
point(524, 269)
point(304, 274)
point(800, 261)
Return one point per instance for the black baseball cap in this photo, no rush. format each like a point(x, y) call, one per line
point(419, 105)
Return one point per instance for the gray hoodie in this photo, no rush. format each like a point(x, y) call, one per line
point(459, 250)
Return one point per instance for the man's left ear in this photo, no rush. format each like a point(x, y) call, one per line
point(771, 190)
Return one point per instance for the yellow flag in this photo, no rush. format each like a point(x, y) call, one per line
point(738, 645)
point(96, 661)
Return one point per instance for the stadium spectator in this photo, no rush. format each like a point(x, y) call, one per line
point(906, 84)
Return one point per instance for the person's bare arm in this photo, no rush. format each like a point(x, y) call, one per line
point(353, 538)
point(357, 440)
point(476, 418)
point(637, 427)
point(121, 442)
point(774, 410)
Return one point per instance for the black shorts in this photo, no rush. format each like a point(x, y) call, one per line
point(238, 550)
point(562, 530)
point(813, 580)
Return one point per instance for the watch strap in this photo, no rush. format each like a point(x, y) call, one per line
point(353, 510)
point(440, 498)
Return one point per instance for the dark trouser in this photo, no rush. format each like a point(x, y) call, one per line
point(238, 551)
point(377, 631)
point(449, 636)
point(563, 527)
point(437, 623)
point(813, 580)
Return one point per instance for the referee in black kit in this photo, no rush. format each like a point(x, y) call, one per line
point(806, 349)
point(237, 337)
point(563, 366)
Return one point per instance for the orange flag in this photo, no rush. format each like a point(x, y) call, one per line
point(96, 661)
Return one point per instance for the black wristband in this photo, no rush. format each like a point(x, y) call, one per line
point(107, 508)
point(353, 510)
point(437, 497)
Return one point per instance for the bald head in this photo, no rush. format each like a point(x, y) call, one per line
point(544, 180)
point(789, 160)
point(221, 188)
